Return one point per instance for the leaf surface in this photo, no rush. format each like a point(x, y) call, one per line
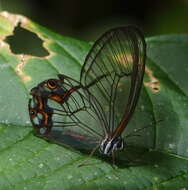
point(29, 162)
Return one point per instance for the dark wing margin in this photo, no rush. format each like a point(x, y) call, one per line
point(117, 62)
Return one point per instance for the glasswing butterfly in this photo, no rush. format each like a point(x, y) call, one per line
point(101, 104)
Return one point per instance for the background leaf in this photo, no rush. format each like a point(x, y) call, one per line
point(28, 162)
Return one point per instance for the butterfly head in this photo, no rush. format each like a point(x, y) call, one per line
point(110, 145)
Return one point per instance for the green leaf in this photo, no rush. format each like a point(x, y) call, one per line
point(29, 162)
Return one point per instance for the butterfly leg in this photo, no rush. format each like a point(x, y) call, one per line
point(90, 155)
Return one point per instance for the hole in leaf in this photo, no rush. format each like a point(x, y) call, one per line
point(26, 42)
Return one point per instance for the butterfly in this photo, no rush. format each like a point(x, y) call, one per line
point(102, 103)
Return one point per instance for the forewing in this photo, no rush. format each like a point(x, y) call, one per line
point(113, 74)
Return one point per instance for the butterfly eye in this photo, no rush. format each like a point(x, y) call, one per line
point(52, 84)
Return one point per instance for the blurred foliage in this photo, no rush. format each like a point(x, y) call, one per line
point(87, 19)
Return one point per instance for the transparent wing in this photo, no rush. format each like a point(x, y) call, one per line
point(59, 106)
point(116, 62)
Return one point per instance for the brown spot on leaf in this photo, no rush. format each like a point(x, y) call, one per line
point(153, 83)
point(20, 66)
point(2, 44)
point(14, 18)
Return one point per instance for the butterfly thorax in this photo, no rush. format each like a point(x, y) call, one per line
point(110, 145)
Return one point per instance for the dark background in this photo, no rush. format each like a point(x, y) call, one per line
point(87, 19)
